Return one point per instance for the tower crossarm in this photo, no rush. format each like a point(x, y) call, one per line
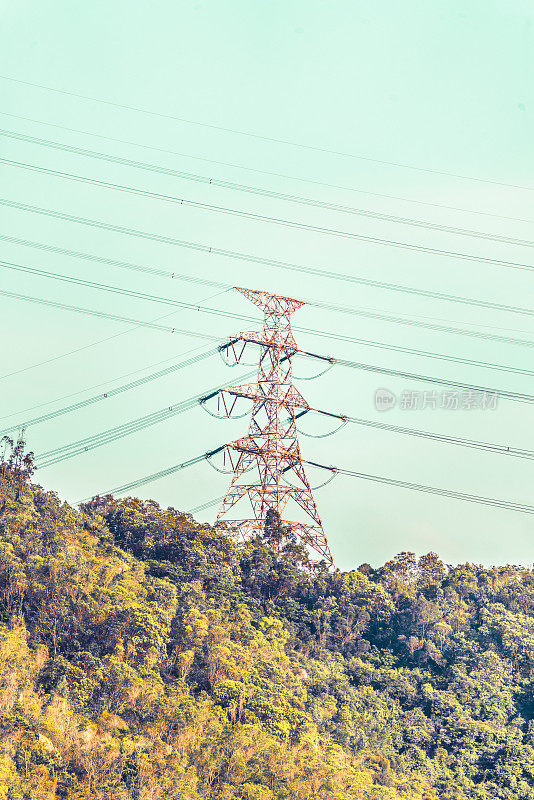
point(262, 392)
point(272, 304)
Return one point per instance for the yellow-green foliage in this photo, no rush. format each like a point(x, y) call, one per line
point(144, 657)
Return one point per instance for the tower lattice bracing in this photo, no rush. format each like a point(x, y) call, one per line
point(267, 466)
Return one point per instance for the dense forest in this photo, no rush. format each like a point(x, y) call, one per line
point(145, 656)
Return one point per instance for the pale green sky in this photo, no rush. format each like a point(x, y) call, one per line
point(446, 86)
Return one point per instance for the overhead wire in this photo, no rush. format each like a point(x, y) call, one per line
point(270, 173)
point(220, 312)
point(490, 501)
point(310, 331)
point(50, 360)
point(515, 452)
point(58, 454)
point(63, 452)
point(86, 347)
point(472, 301)
point(106, 315)
point(50, 415)
point(233, 254)
point(401, 349)
point(344, 421)
point(52, 457)
point(395, 373)
point(155, 476)
point(261, 137)
point(519, 396)
point(67, 451)
point(112, 262)
point(449, 493)
point(26, 410)
point(340, 309)
point(195, 359)
point(263, 218)
point(204, 506)
point(172, 241)
point(233, 186)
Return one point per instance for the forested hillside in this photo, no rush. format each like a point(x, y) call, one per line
point(144, 656)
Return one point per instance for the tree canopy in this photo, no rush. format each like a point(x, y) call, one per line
point(145, 656)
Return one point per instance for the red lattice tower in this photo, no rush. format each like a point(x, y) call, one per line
point(271, 450)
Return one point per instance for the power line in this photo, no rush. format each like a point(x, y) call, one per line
point(208, 504)
point(110, 393)
point(111, 435)
point(96, 385)
point(440, 437)
point(435, 295)
point(472, 301)
point(341, 362)
point(260, 137)
point(82, 348)
point(219, 312)
point(105, 315)
point(62, 355)
point(310, 331)
point(506, 504)
point(419, 323)
point(489, 501)
point(231, 185)
point(195, 359)
point(516, 396)
point(63, 452)
point(293, 224)
point(162, 273)
point(270, 173)
point(155, 237)
point(157, 475)
point(116, 289)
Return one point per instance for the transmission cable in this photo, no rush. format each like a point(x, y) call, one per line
point(505, 504)
point(353, 340)
point(341, 362)
point(204, 506)
point(19, 412)
point(435, 295)
point(110, 393)
point(314, 303)
point(72, 449)
point(330, 359)
point(111, 435)
point(485, 390)
point(294, 224)
point(231, 185)
point(220, 312)
point(162, 273)
point(489, 501)
point(439, 437)
point(200, 247)
point(106, 315)
point(63, 452)
point(155, 475)
point(270, 173)
point(517, 396)
point(261, 137)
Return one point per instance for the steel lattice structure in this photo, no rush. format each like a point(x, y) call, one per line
point(271, 450)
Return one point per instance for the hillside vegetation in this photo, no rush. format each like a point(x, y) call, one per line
point(144, 656)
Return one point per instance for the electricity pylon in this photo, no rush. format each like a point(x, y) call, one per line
point(270, 452)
